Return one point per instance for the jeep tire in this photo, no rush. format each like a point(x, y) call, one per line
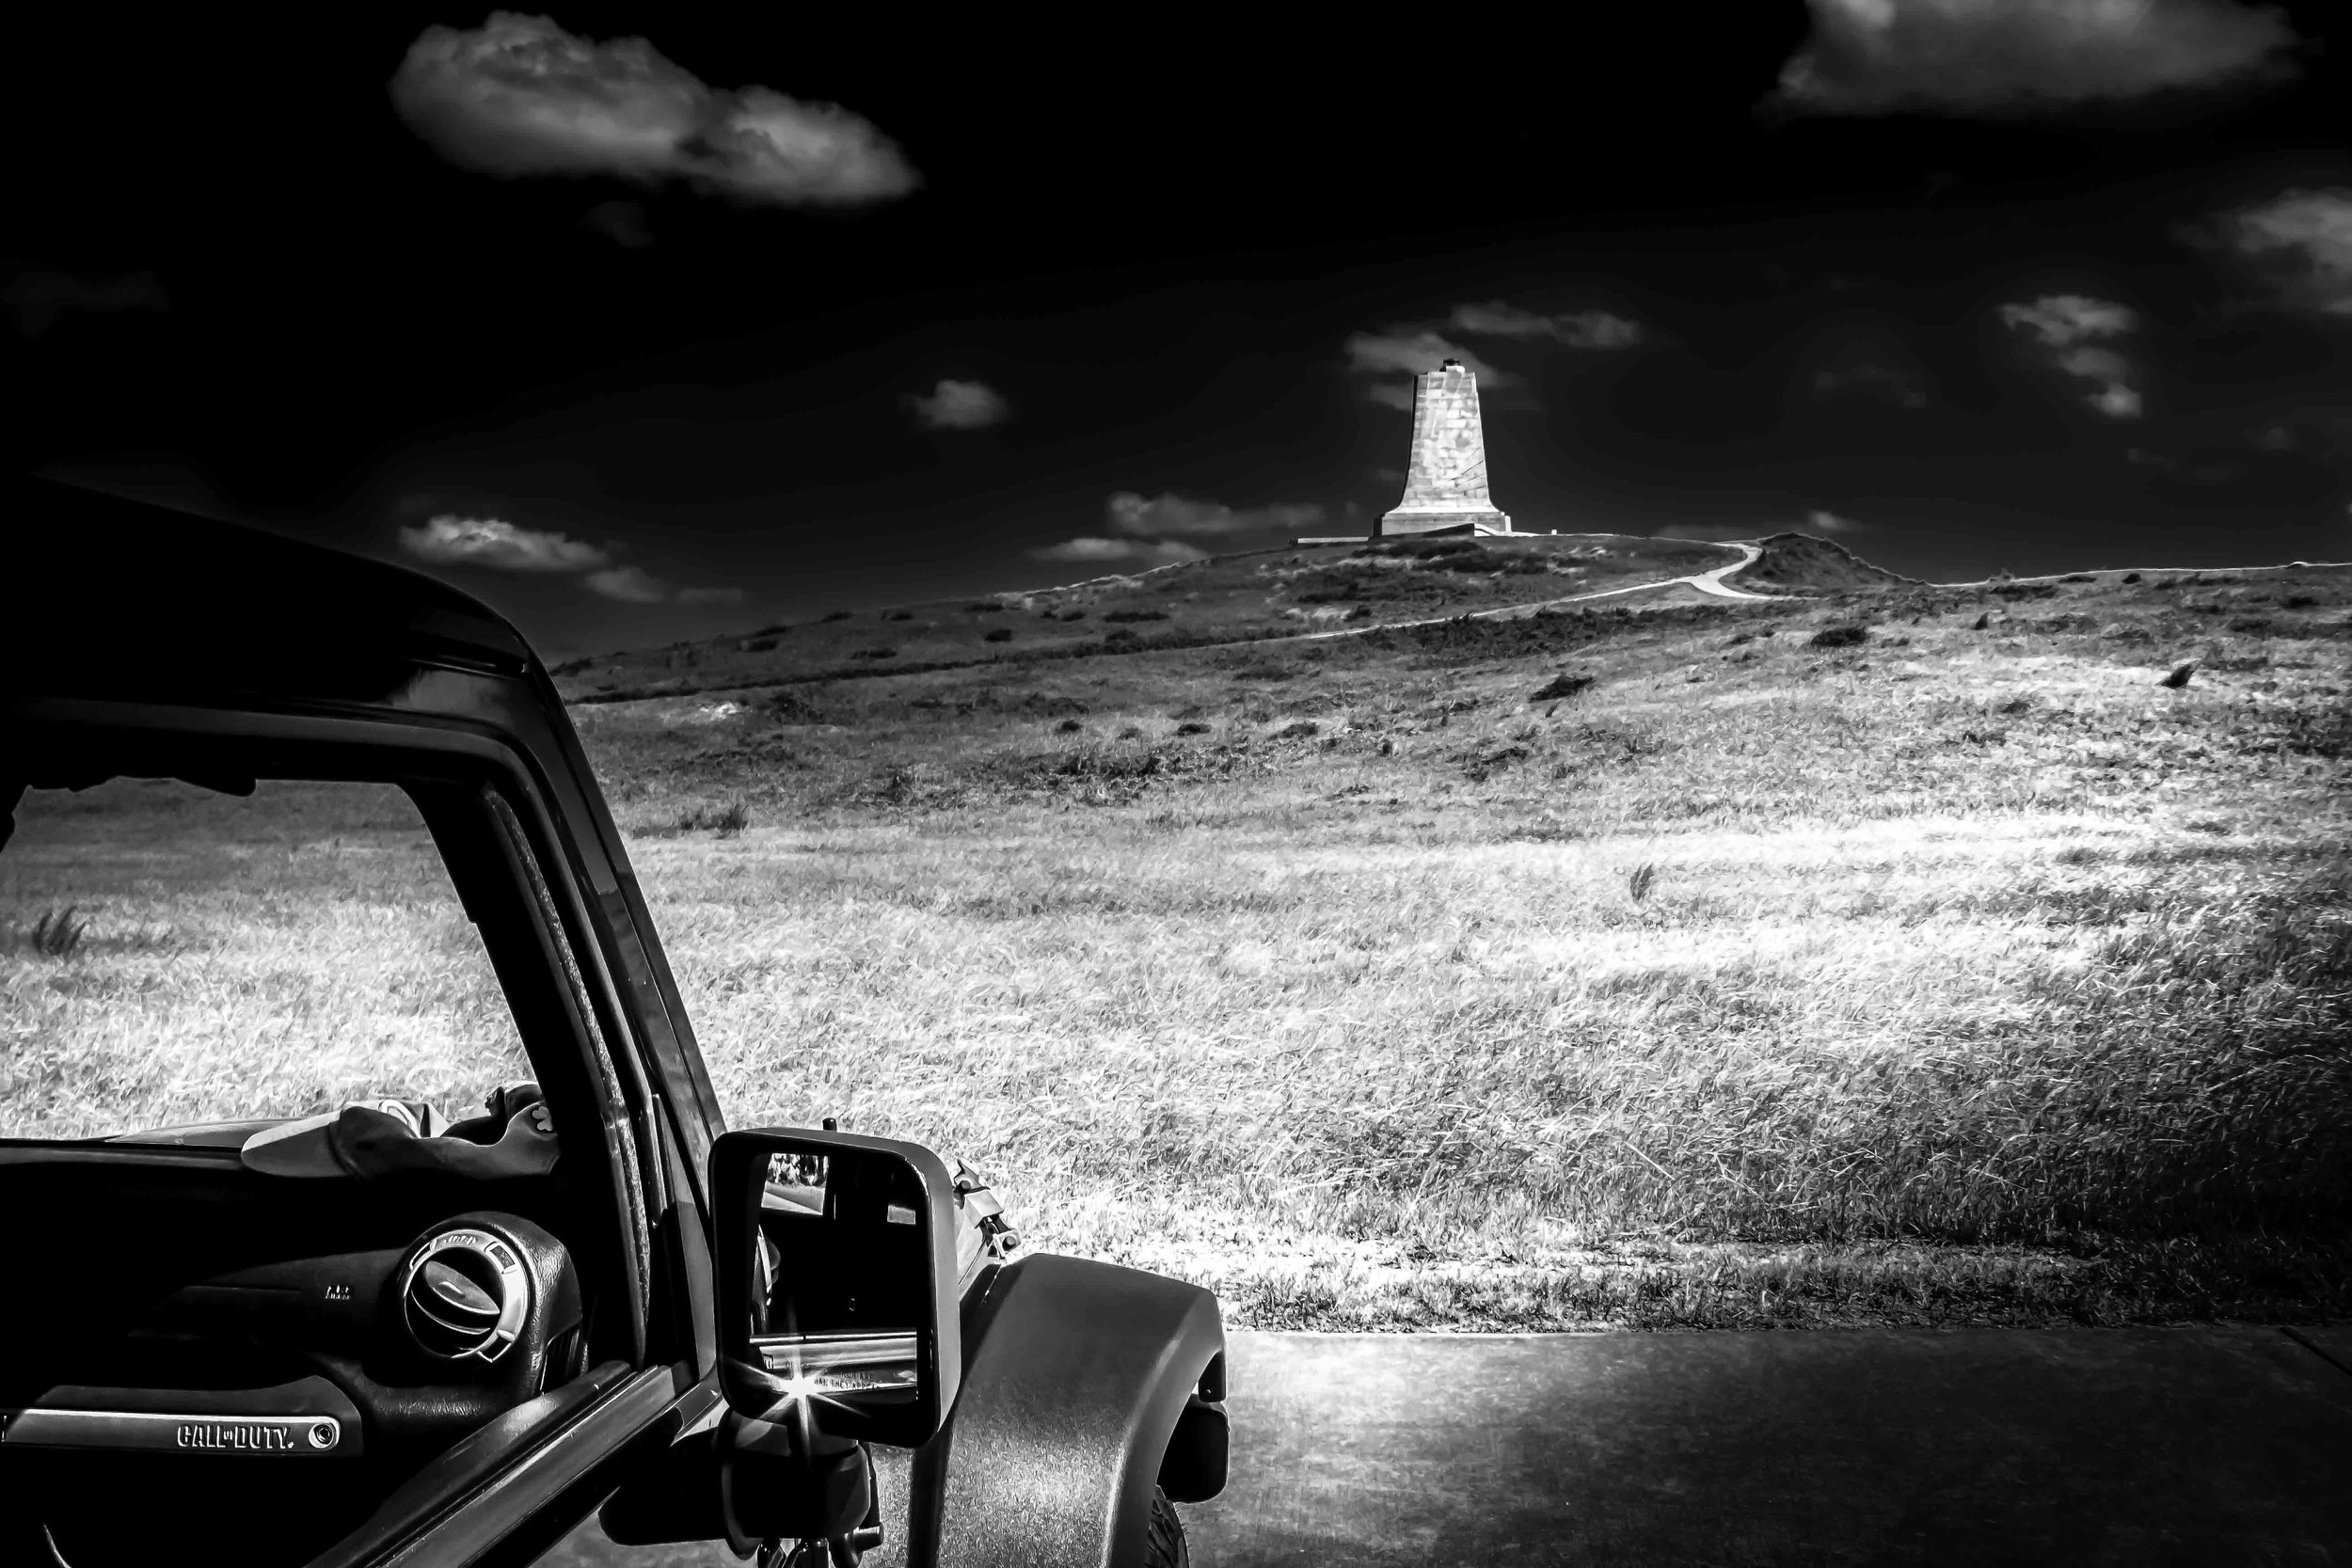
point(1164, 1535)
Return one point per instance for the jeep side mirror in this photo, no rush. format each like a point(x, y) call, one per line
point(836, 1283)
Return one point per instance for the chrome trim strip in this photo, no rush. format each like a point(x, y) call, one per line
point(823, 1352)
point(243, 1437)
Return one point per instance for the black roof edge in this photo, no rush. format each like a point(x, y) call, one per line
point(83, 563)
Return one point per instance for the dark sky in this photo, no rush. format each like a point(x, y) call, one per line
point(639, 341)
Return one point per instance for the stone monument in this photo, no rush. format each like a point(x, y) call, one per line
point(1445, 486)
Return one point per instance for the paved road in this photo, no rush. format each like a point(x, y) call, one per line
point(2208, 1446)
point(1712, 582)
point(2098, 1447)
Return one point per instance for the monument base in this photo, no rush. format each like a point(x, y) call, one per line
point(1433, 520)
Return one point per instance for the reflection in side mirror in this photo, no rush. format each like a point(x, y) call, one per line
point(836, 1283)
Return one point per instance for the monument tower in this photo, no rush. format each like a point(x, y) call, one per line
point(1445, 486)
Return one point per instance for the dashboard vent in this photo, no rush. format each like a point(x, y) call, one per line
point(464, 1294)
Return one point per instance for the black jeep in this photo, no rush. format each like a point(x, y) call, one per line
point(353, 867)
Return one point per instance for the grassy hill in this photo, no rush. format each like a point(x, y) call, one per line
point(1799, 564)
point(1387, 937)
point(1902, 954)
point(1266, 593)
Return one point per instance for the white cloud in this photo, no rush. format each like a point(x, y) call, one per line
point(2059, 320)
point(1414, 350)
point(519, 95)
point(2097, 364)
point(960, 406)
point(630, 585)
point(2061, 324)
point(1587, 329)
point(2301, 243)
point(1163, 515)
point(40, 297)
point(1156, 528)
point(1830, 522)
point(2002, 58)
point(1411, 349)
point(1154, 553)
point(449, 540)
point(709, 595)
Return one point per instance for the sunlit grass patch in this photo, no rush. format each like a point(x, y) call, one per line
point(227, 975)
point(1916, 1029)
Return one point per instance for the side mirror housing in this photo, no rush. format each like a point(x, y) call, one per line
point(837, 1284)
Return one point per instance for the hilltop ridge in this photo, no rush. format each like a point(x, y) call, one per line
point(1269, 596)
point(1802, 563)
point(1253, 597)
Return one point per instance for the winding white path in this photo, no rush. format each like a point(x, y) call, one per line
point(1712, 582)
point(1709, 582)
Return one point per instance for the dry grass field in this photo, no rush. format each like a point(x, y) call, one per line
point(225, 958)
point(1958, 972)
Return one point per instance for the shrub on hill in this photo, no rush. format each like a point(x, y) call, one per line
point(1355, 587)
point(1122, 615)
point(836, 615)
point(997, 634)
point(1560, 686)
point(1464, 555)
point(56, 935)
point(791, 707)
point(725, 820)
point(1462, 640)
point(876, 653)
point(899, 615)
point(1839, 637)
point(1427, 549)
point(756, 645)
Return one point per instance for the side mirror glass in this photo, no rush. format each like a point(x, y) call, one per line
point(837, 1288)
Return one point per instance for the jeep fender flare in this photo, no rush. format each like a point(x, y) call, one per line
point(1075, 1374)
